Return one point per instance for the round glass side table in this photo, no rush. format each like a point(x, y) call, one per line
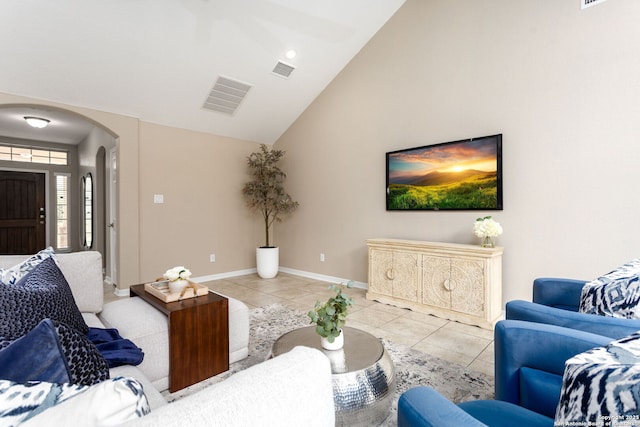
point(362, 373)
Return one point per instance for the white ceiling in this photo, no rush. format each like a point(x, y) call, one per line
point(157, 60)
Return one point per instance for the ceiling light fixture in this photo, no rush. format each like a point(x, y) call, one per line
point(290, 54)
point(37, 122)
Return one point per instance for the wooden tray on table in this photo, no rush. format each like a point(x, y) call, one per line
point(161, 291)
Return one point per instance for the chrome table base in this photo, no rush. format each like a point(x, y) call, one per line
point(363, 374)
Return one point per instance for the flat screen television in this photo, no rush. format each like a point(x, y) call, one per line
point(456, 175)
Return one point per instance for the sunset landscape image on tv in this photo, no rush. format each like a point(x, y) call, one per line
point(455, 175)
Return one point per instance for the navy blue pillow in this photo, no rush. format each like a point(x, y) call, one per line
point(55, 353)
point(36, 356)
point(41, 294)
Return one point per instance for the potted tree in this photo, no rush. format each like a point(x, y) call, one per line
point(330, 316)
point(265, 193)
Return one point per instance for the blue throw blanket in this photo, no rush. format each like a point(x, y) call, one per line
point(116, 350)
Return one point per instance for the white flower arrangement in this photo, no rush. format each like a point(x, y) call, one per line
point(487, 227)
point(177, 273)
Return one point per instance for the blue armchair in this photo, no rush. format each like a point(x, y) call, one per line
point(529, 363)
point(556, 302)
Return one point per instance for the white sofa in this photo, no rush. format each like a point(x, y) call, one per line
point(298, 385)
point(133, 318)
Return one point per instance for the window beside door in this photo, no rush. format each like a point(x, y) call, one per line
point(62, 211)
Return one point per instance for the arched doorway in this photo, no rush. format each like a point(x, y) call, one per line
point(86, 144)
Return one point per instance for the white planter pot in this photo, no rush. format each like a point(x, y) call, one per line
point(267, 261)
point(176, 286)
point(337, 344)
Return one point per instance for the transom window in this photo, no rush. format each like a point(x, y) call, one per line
point(32, 155)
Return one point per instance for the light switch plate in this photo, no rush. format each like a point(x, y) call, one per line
point(158, 198)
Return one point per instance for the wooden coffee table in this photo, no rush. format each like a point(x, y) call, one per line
point(198, 336)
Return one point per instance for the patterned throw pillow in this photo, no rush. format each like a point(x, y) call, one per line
point(41, 294)
point(85, 363)
point(616, 294)
point(111, 402)
point(601, 386)
point(14, 274)
point(19, 402)
point(53, 352)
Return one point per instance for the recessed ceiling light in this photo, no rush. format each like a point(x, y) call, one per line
point(290, 54)
point(37, 122)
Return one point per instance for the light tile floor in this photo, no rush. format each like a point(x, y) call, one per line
point(465, 345)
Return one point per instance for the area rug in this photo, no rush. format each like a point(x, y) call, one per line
point(412, 367)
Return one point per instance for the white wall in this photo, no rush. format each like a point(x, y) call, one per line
point(562, 86)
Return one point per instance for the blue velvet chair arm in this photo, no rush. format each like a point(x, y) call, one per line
point(544, 349)
point(423, 406)
point(612, 327)
point(559, 293)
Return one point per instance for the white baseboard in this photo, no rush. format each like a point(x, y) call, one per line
point(121, 292)
point(223, 275)
point(324, 278)
point(310, 275)
point(116, 291)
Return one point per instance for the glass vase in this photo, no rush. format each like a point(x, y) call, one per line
point(488, 242)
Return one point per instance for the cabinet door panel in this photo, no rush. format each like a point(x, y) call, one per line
point(405, 275)
point(381, 271)
point(468, 288)
point(436, 275)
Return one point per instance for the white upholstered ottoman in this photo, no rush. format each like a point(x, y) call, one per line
point(148, 329)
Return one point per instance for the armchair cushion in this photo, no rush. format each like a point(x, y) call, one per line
point(602, 386)
point(616, 294)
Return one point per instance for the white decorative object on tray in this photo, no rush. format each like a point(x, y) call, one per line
point(176, 286)
point(178, 278)
point(161, 291)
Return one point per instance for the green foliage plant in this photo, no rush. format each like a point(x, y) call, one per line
point(265, 192)
point(330, 316)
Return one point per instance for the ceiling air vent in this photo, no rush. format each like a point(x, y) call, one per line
point(587, 3)
point(226, 96)
point(283, 70)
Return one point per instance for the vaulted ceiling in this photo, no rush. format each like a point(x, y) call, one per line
point(158, 60)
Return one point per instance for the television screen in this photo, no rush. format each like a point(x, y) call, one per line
point(465, 174)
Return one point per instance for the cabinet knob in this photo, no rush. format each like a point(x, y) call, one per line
point(390, 274)
point(449, 284)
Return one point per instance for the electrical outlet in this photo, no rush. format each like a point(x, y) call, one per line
point(212, 258)
point(322, 257)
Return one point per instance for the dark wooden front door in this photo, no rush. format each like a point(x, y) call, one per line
point(22, 212)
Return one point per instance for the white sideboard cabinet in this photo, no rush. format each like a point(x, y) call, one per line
point(454, 281)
